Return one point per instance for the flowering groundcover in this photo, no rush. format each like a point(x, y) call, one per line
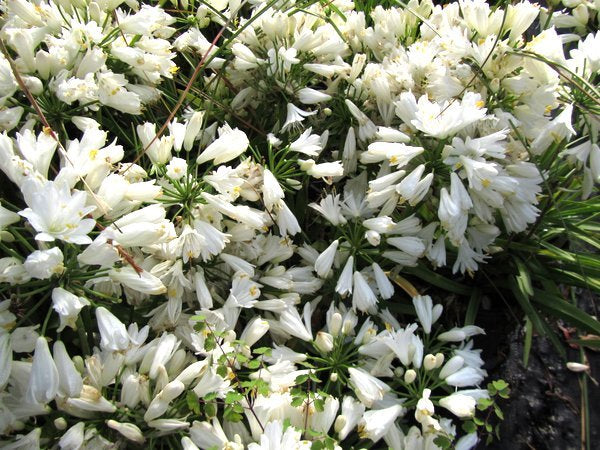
point(271, 224)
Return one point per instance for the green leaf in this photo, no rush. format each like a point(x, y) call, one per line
point(297, 401)
point(473, 307)
point(538, 322)
point(210, 396)
point(437, 280)
point(500, 384)
point(192, 402)
point(590, 343)
point(469, 427)
point(233, 397)
point(528, 341)
point(254, 364)
point(263, 351)
point(562, 309)
point(523, 279)
point(442, 441)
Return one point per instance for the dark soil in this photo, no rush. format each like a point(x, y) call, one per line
point(544, 409)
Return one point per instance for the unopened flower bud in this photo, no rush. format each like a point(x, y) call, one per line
point(327, 111)
point(347, 327)
point(439, 360)
point(335, 324)
point(324, 342)
point(581, 14)
point(453, 365)
point(399, 371)
point(373, 237)
point(409, 376)
point(129, 430)
point(60, 423)
point(429, 362)
point(333, 377)
point(340, 423)
point(577, 367)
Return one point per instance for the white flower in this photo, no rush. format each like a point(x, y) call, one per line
point(295, 116)
point(330, 208)
point(67, 306)
point(426, 312)
point(376, 423)
point(460, 334)
point(344, 283)
point(363, 297)
point(70, 381)
point(310, 96)
point(160, 403)
point(352, 411)
point(322, 170)
point(5, 359)
point(42, 264)
point(192, 243)
point(467, 376)
point(73, 438)
point(325, 260)
point(272, 191)
point(274, 437)
point(366, 387)
point(43, 380)
point(385, 287)
point(307, 143)
point(230, 144)
point(113, 333)
point(56, 213)
point(460, 405)
point(129, 430)
point(177, 168)
point(143, 281)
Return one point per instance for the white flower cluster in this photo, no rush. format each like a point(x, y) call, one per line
point(224, 275)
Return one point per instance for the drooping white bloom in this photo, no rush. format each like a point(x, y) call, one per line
point(73, 438)
point(363, 297)
point(460, 334)
point(325, 260)
point(272, 191)
point(385, 287)
point(43, 380)
point(274, 437)
point(6, 357)
point(295, 116)
point(376, 423)
point(143, 281)
point(308, 144)
point(323, 170)
point(160, 403)
point(330, 207)
point(68, 306)
point(42, 264)
point(426, 312)
point(467, 376)
point(113, 333)
point(310, 96)
point(129, 430)
point(344, 283)
point(56, 213)
point(230, 144)
point(367, 388)
point(460, 405)
point(70, 381)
